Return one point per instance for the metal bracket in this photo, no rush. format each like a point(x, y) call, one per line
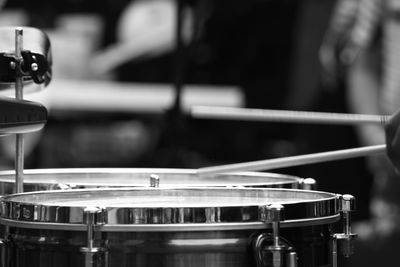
point(309, 184)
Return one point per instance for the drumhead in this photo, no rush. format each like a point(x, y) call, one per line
point(159, 207)
point(50, 179)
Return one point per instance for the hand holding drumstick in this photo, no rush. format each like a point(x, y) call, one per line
point(392, 134)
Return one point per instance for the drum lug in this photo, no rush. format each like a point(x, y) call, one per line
point(273, 250)
point(92, 217)
point(346, 206)
point(309, 184)
point(154, 180)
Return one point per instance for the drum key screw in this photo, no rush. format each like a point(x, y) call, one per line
point(275, 214)
point(282, 253)
point(154, 180)
point(92, 216)
point(347, 205)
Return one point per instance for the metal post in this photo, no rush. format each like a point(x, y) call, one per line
point(19, 149)
point(92, 217)
point(334, 252)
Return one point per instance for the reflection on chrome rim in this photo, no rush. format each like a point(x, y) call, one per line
point(183, 207)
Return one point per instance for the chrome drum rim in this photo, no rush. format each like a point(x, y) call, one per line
point(174, 209)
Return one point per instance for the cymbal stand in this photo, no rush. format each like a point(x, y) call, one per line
point(19, 155)
point(24, 65)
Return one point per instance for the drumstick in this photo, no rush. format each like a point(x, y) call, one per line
point(245, 114)
point(294, 160)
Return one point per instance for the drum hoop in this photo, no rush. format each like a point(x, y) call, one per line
point(170, 227)
point(313, 205)
point(45, 183)
point(322, 205)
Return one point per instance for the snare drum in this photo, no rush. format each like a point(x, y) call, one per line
point(52, 179)
point(182, 227)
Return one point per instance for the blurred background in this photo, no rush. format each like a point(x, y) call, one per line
point(123, 81)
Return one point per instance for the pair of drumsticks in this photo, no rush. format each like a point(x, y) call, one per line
point(229, 113)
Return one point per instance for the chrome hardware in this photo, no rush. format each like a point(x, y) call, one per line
point(21, 64)
point(92, 216)
point(309, 184)
point(61, 186)
point(275, 214)
point(291, 259)
point(3, 255)
point(19, 86)
point(154, 180)
point(17, 74)
point(32, 63)
point(346, 206)
point(271, 250)
point(183, 207)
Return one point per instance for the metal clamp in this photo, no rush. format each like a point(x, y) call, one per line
point(27, 64)
point(92, 216)
point(271, 250)
point(346, 206)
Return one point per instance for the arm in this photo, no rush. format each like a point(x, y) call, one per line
point(363, 87)
point(363, 94)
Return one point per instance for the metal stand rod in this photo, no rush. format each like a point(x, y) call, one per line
point(244, 114)
point(334, 252)
point(19, 151)
point(19, 164)
point(294, 160)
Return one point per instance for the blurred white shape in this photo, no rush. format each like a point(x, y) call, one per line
point(109, 96)
point(145, 29)
point(74, 41)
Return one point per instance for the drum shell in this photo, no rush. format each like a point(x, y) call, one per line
point(45, 248)
point(164, 227)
